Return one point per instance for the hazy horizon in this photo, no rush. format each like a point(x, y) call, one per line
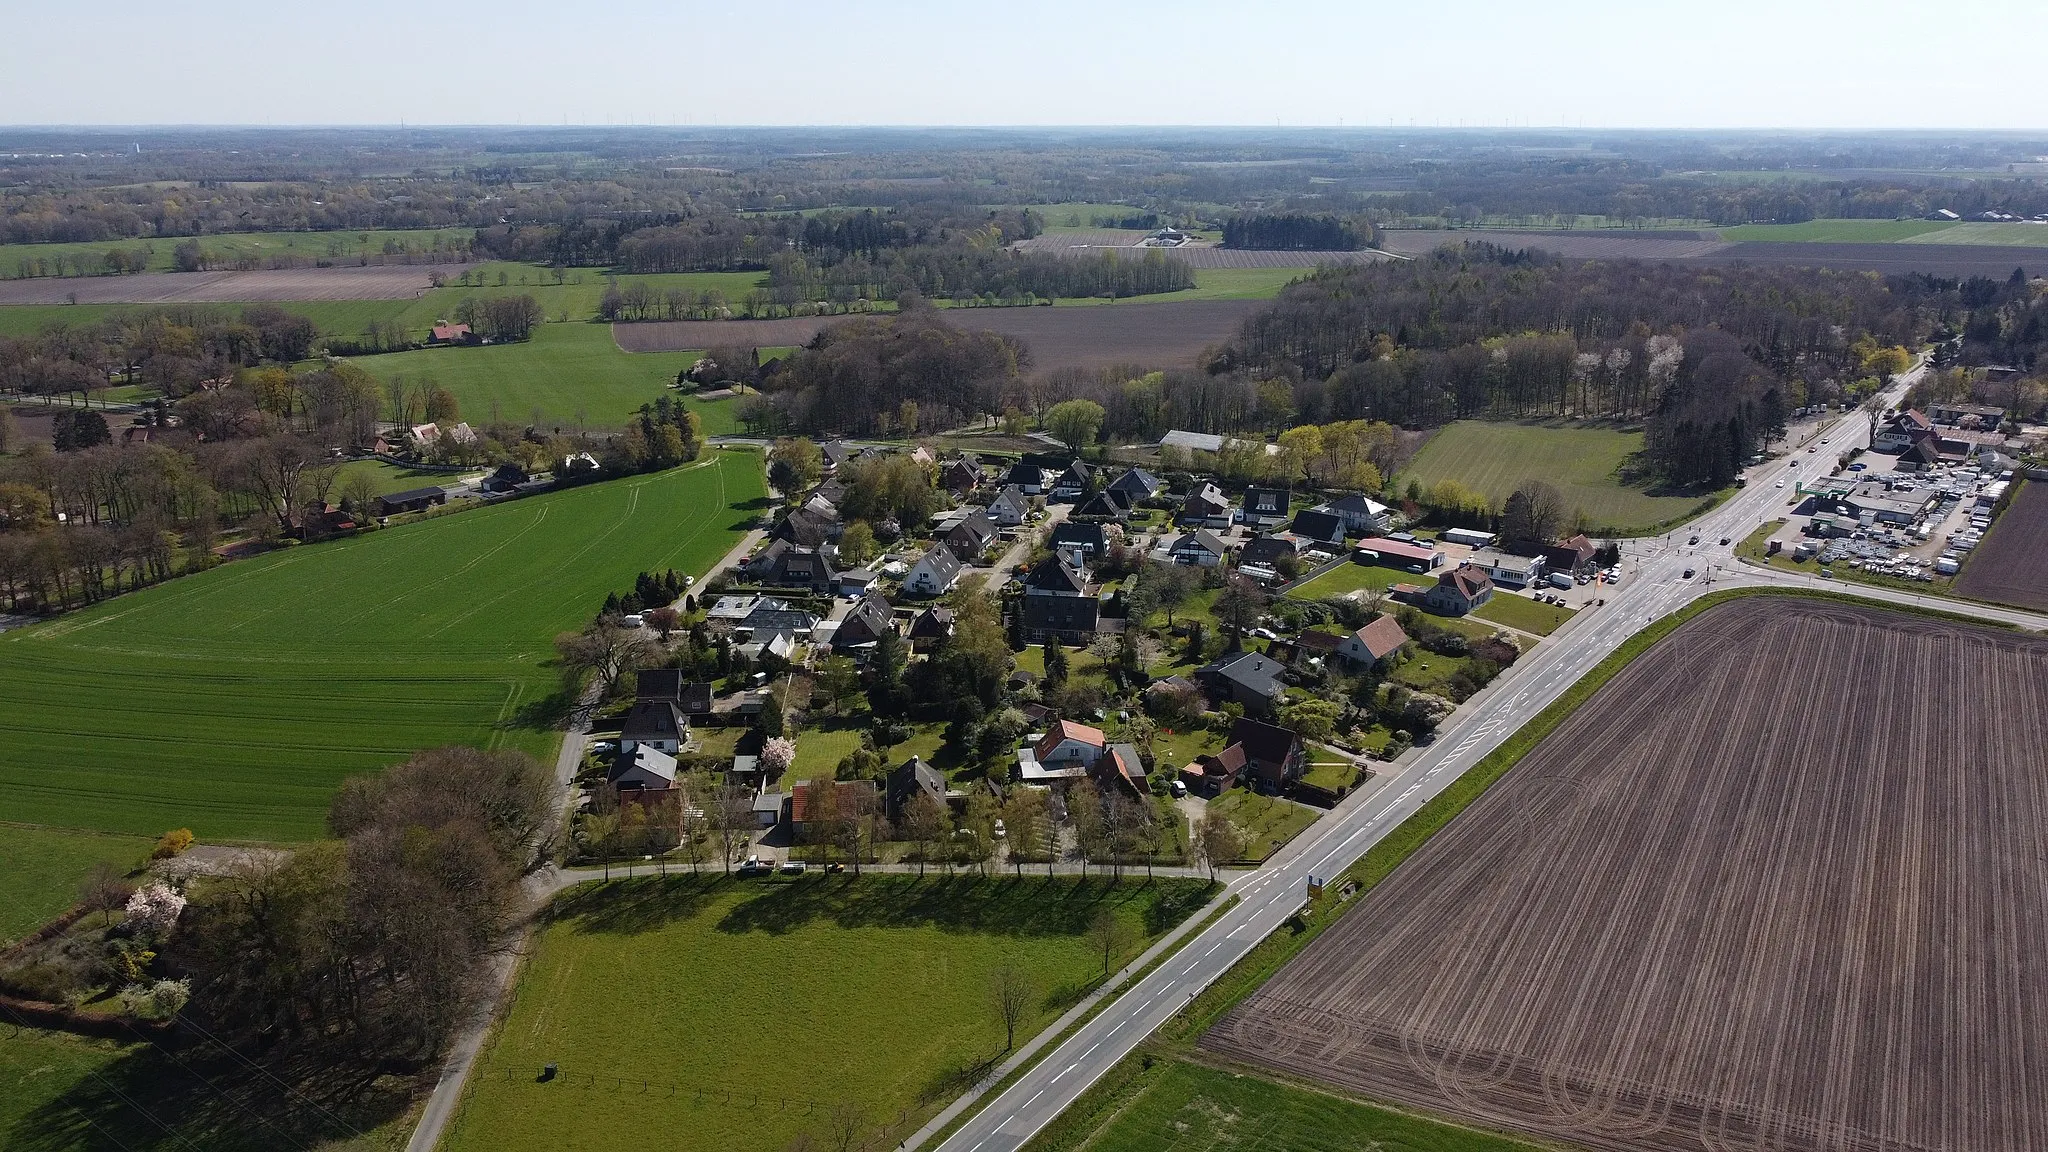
point(1579, 65)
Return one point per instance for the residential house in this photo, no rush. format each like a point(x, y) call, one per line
point(1262, 557)
point(1320, 526)
point(424, 435)
point(1459, 591)
point(1392, 553)
point(1079, 543)
point(1065, 751)
point(785, 565)
point(661, 684)
point(1119, 770)
point(911, 779)
point(1362, 515)
point(1138, 484)
point(1200, 548)
point(924, 457)
point(1073, 483)
point(645, 769)
point(961, 476)
point(1576, 556)
point(770, 615)
point(805, 528)
point(1213, 774)
point(727, 611)
point(864, 624)
point(1206, 507)
point(929, 627)
point(410, 500)
point(1306, 648)
point(1104, 505)
point(656, 724)
point(857, 582)
point(1250, 678)
point(1377, 641)
point(1275, 756)
point(778, 642)
point(971, 536)
point(1507, 569)
point(934, 574)
point(1264, 508)
point(1058, 604)
point(1902, 430)
point(507, 478)
point(1027, 478)
point(446, 333)
point(1010, 508)
point(835, 453)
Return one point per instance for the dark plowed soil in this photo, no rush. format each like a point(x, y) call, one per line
point(2011, 565)
point(1779, 885)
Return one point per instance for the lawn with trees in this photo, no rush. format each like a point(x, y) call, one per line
point(247, 692)
point(769, 1010)
point(1584, 462)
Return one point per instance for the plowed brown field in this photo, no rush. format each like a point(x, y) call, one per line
point(1781, 884)
point(2011, 565)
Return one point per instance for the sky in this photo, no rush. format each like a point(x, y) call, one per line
point(1578, 63)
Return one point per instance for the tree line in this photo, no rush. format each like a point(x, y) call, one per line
point(860, 375)
point(1303, 232)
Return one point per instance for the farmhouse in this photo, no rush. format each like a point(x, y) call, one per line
point(507, 478)
point(1375, 642)
point(934, 574)
point(446, 333)
point(656, 724)
point(1396, 554)
point(410, 500)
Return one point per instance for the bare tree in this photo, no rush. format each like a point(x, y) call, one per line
point(1025, 823)
point(1218, 841)
point(693, 823)
point(1011, 994)
point(607, 649)
point(733, 816)
point(1108, 934)
point(104, 889)
point(924, 824)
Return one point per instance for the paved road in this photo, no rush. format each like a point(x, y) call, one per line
point(1657, 587)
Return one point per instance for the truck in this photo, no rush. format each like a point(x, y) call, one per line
point(1559, 580)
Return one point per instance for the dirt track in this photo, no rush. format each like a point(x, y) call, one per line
point(2010, 566)
point(1779, 885)
point(1160, 335)
point(374, 282)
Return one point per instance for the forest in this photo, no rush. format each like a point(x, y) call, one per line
point(1297, 232)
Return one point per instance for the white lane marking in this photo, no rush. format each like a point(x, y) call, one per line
point(1063, 1072)
point(1189, 968)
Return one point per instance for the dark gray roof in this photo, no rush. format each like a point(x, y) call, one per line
point(413, 495)
point(1087, 535)
point(910, 778)
point(654, 720)
point(1201, 538)
point(1137, 482)
point(1270, 502)
point(865, 622)
point(1253, 670)
point(1318, 525)
point(659, 684)
point(932, 623)
point(1054, 575)
point(1265, 550)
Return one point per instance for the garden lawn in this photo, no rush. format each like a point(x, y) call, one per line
point(821, 747)
point(1185, 1106)
point(1495, 457)
point(388, 477)
point(233, 701)
point(40, 869)
point(1174, 750)
point(1268, 821)
point(1330, 771)
point(1349, 578)
point(1523, 613)
point(566, 369)
point(873, 992)
point(1426, 671)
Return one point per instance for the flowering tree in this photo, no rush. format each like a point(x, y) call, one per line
point(777, 755)
point(155, 908)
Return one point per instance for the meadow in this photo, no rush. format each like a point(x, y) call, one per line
point(40, 869)
point(703, 1013)
point(233, 702)
point(1840, 232)
point(1495, 457)
point(227, 248)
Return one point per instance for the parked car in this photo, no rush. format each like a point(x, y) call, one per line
point(792, 868)
point(1000, 831)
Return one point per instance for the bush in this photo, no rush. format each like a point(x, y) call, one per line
point(172, 843)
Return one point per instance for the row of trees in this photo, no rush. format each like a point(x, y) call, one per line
point(972, 273)
point(174, 350)
point(1301, 232)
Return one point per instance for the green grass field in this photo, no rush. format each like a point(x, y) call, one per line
point(2003, 235)
point(1494, 457)
point(232, 702)
point(338, 247)
point(565, 369)
point(1350, 578)
point(1268, 821)
point(1521, 612)
point(1838, 231)
point(390, 477)
point(874, 992)
point(40, 869)
point(1185, 1106)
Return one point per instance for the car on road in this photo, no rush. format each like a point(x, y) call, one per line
point(1781, 483)
point(1724, 541)
point(1812, 450)
point(1695, 539)
point(1688, 573)
point(1858, 467)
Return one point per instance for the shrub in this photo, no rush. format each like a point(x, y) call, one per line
point(154, 908)
point(172, 843)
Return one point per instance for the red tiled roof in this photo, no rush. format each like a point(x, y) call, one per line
point(1382, 636)
point(1068, 730)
